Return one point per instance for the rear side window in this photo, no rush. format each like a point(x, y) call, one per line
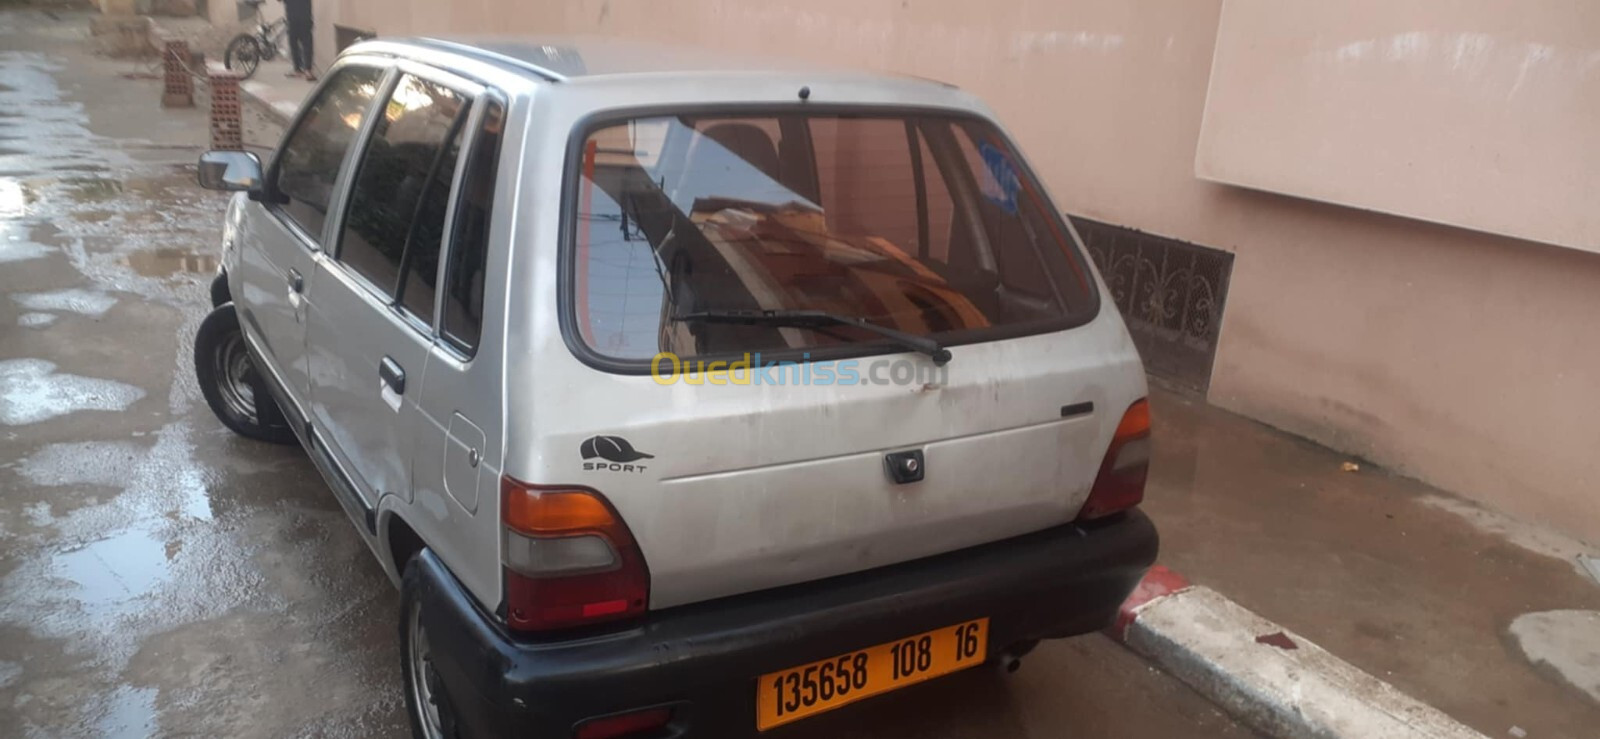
point(923, 223)
point(309, 161)
point(469, 248)
point(394, 224)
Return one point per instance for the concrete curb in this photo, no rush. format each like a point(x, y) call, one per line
point(1276, 681)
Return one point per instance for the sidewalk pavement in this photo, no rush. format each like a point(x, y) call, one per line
point(278, 96)
point(1415, 587)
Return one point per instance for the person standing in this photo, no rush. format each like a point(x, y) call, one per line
point(297, 14)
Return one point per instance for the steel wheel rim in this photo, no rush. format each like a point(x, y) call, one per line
point(235, 378)
point(422, 680)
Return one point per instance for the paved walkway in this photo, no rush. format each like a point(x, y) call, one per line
point(1414, 586)
point(278, 93)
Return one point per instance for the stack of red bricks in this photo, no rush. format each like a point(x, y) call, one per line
point(177, 87)
point(227, 122)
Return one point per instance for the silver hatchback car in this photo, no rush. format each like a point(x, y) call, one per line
point(680, 394)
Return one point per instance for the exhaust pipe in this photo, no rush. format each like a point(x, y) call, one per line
point(1007, 662)
point(1010, 658)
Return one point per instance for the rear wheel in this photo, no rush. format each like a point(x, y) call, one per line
point(243, 55)
point(230, 383)
point(432, 714)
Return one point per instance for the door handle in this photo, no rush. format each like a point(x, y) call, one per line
point(392, 375)
point(296, 282)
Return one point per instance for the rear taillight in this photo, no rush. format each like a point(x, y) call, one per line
point(569, 559)
point(1120, 484)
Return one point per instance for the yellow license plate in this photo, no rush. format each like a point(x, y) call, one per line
point(807, 690)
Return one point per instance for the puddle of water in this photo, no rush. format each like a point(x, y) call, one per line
point(21, 241)
point(31, 391)
point(91, 216)
point(130, 712)
point(38, 514)
point(13, 198)
point(9, 672)
point(92, 189)
point(16, 251)
point(36, 320)
point(167, 261)
point(114, 569)
point(71, 300)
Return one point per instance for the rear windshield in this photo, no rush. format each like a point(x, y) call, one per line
point(926, 224)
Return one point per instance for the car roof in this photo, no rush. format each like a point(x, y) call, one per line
point(579, 58)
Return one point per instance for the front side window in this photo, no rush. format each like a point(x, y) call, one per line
point(394, 224)
point(309, 161)
point(922, 223)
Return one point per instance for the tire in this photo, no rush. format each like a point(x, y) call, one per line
point(243, 55)
point(219, 290)
point(230, 384)
point(438, 721)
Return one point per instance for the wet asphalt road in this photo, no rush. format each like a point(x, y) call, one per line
point(160, 576)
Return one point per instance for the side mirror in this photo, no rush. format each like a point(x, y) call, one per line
point(230, 171)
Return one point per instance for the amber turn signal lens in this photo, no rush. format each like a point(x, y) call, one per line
point(540, 512)
point(1136, 421)
point(1120, 483)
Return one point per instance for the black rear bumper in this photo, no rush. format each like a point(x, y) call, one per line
point(704, 658)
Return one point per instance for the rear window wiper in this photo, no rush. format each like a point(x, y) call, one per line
point(818, 319)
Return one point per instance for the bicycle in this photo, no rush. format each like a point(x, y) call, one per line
point(247, 50)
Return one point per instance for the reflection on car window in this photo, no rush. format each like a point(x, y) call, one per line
point(923, 224)
point(309, 161)
point(469, 249)
point(395, 218)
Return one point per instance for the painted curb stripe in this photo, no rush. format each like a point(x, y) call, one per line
point(1157, 583)
point(1276, 681)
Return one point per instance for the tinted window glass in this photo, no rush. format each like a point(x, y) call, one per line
point(469, 250)
point(309, 161)
point(397, 206)
point(928, 225)
point(1015, 258)
point(864, 170)
point(420, 264)
point(941, 211)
